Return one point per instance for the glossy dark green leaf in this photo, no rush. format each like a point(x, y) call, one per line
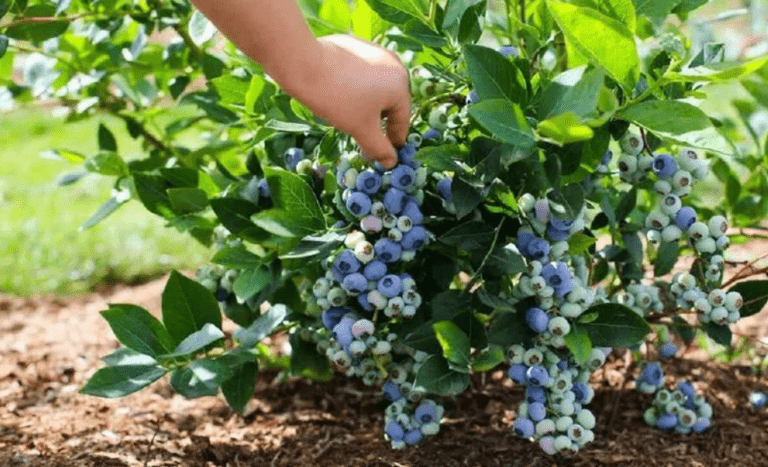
point(465, 197)
point(455, 345)
point(107, 141)
point(615, 325)
point(36, 32)
point(111, 205)
point(445, 305)
point(442, 157)
point(138, 330)
point(494, 76)
point(262, 327)
point(152, 194)
point(187, 307)
point(237, 257)
point(3, 45)
point(315, 247)
point(505, 120)
point(307, 362)
point(755, 295)
point(505, 261)
point(720, 334)
point(197, 341)
point(200, 379)
point(107, 163)
point(579, 344)
point(567, 202)
point(187, 200)
point(510, 329)
point(488, 359)
point(423, 338)
point(435, 376)
point(469, 236)
point(127, 357)
point(297, 211)
point(239, 388)
point(234, 213)
point(118, 381)
point(666, 258)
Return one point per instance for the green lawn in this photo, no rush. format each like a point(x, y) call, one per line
point(41, 249)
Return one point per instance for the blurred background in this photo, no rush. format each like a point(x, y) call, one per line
point(43, 249)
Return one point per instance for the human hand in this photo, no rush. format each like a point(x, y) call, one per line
point(357, 84)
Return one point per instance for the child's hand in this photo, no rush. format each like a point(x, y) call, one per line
point(359, 83)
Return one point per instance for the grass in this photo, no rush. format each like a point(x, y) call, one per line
point(41, 249)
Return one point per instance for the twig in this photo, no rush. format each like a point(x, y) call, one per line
point(645, 142)
point(497, 231)
point(522, 11)
point(151, 442)
point(41, 19)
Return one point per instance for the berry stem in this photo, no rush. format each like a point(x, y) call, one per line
point(645, 142)
point(496, 233)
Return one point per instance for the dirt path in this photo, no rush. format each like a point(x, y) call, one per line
point(50, 347)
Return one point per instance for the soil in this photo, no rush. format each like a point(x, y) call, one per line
point(51, 346)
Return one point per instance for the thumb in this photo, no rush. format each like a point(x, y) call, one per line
point(376, 147)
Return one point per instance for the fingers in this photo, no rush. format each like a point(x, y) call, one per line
point(376, 147)
point(399, 121)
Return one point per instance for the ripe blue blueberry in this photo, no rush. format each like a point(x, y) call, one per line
point(403, 177)
point(413, 212)
point(426, 412)
point(362, 299)
point(369, 182)
point(431, 134)
point(346, 263)
point(332, 316)
point(666, 421)
point(685, 217)
point(394, 201)
point(758, 399)
point(537, 249)
point(413, 437)
point(390, 285)
point(444, 188)
point(537, 411)
point(221, 294)
point(524, 427)
point(414, 238)
point(391, 391)
point(560, 224)
point(387, 250)
point(407, 156)
point(559, 277)
point(606, 157)
point(508, 50)
point(537, 375)
point(375, 270)
point(686, 388)
point(516, 372)
point(264, 188)
point(652, 374)
point(342, 332)
point(556, 234)
point(537, 319)
point(292, 157)
point(355, 283)
point(394, 431)
point(701, 425)
point(359, 204)
point(535, 394)
point(472, 97)
point(668, 350)
point(580, 390)
point(664, 165)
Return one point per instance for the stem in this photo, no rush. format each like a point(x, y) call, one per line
point(41, 19)
point(496, 233)
point(645, 142)
point(180, 29)
point(522, 11)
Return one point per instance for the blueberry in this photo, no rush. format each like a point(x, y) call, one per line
point(387, 250)
point(558, 277)
point(580, 390)
point(606, 157)
point(652, 374)
point(537, 248)
point(407, 156)
point(516, 372)
point(394, 201)
point(664, 165)
point(359, 204)
point(537, 375)
point(666, 421)
point(562, 365)
point(426, 412)
point(375, 270)
point(472, 97)
point(431, 134)
point(346, 263)
point(444, 188)
point(403, 177)
point(412, 210)
point(355, 283)
point(537, 411)
point(264, 188)
point(556, 234)
point(508, 50)
point(340, 224)
point(758, 399)
point(332, 316)
point(369, 182)
point(537, 319)
point(413, 437)
point(342, 332)
point(524, 427)
point(685, 217)
point(390, 285)
point(668, 350)
point(362, 299)
point(523, 239)
point(701, 425)
point(292, 157)
point(391, 391)
point(394, 431)
point(414, 238)
point(560, 224)
point(221, 294)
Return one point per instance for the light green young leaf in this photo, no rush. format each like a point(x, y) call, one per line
point(336, 12)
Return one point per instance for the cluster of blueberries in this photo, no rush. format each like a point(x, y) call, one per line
point(681, 409)
point(407, 423)
point(557, 391)
point(718, 306)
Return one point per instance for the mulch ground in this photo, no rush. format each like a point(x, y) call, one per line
point(50, 347)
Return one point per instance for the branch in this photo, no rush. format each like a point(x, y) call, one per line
point(188, 40)
point(151, 139)
point(41, 19)
point(645, 142)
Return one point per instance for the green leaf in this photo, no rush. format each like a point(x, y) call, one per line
point(5, 5)
point(455, 9)
point(187, 307)
point(252, 281)
point(445, 305)
point(603, 40)
point(564, 129)
point(615, 325)
point(187, 200)
point(236, 257)
point(127, 357)
point(494, 76)
point(64, 155)
point(107, 163)
point(626, 204)
point(262, 327)
point(754, 294)
point(455, 345)
point(465, 197)
point(151, 192)
point(423, 338)
point(336, 12)
point(138, 330)
point(720, 334)
point(118, 381)
point(579, 344)
point(435, 376)
point(200, 28)
point(287, 127)
point(3, 45)
point(579, 243)
point(656, 9)
point(306, 361)
point(505, 120)
point(366, 24)
point(234, 214)
point(574, 91)
point(510, 329)
point(201, 378)
point(567, 202)
point(442, 158)
point(505, 261)
point(196, 341)
point(678, 121)
point(488, 359)
point(620, 10)
point(38, 31)
point(232, 89)
point(469, 236)
point(107, 141)
point(238, 389)
point(297, 212)
point(666, 258)
point(310, 246)
point(111, 205)
point(400, 11)
point(208, 103)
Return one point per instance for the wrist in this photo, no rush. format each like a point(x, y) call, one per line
point(298, 72)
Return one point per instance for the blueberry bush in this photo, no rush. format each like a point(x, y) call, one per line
point(551, 204)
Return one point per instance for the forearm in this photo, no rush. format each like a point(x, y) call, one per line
point(271, 32)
